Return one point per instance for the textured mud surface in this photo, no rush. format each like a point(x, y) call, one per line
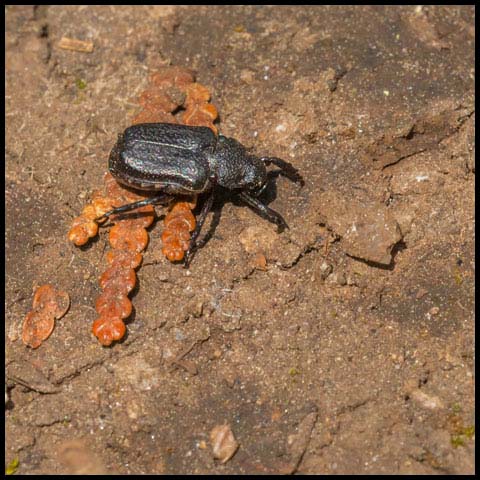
point(351, 351)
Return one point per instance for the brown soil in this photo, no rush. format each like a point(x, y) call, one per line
point(352, 350)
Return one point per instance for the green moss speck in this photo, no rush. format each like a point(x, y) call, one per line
point(456, 408)
point(81, 83)
point(12, 467)
point(457, 441)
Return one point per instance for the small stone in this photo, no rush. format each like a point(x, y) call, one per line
point(257, 239)
point(325, 270)
point(247, 76)
point(368, 229)
point(223, 443)
point(339, 278)
point(425, 400)
point(260, 262)
point(421, 293)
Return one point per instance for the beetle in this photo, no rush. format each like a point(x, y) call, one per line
point(173, 159)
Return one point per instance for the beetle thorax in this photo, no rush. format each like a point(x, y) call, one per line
point(234, 168)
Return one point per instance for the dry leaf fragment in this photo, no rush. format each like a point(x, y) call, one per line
point(75, 45)
point(223, 443)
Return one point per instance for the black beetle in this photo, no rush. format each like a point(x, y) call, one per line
point(180, 159)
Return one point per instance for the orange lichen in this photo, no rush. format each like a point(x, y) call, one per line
point(164, 95)
point(113, 304)
point(178, 224)
point(128, 238)
point(125, 258)
point(37, 327)
point(180, 221)
point(84, 226)
point(55, 302)
point(197, 109)
point(48, 304)
point(170, 89)
point(123, 237)
point(118, 278)
point(108, 329)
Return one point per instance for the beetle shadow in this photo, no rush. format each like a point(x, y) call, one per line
point(223, 196)
point(269, 193)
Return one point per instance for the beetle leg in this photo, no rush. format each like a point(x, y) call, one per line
point(264, 211)
point(198, 227)
point(257, 193)
point(133, 206)
point(286, 168)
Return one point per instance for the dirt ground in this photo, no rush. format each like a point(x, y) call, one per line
point(352, 352)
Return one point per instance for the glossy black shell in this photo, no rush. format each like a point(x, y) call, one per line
point(162, 156)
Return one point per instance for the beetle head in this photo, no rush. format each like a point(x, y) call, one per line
point(255, 175)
